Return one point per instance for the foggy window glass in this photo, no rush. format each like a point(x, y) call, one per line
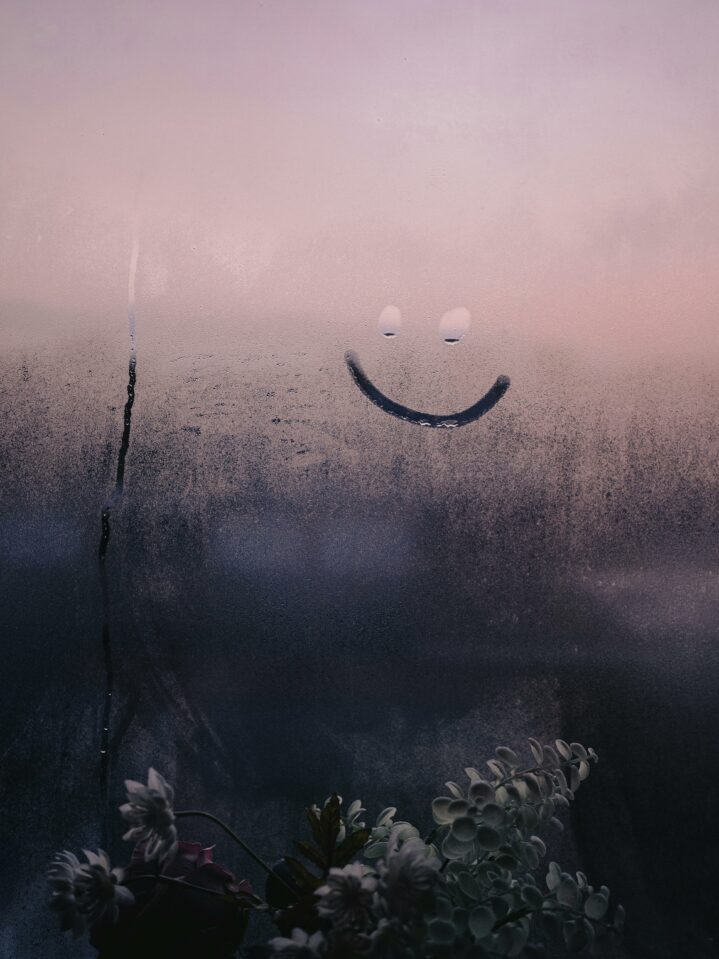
point(263, 531)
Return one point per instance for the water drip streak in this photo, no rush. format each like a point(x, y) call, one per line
point(104, 542)
point(104, 584)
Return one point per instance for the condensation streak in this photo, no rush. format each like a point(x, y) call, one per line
point(105, 517)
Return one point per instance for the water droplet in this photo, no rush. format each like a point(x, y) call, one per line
point(454, 324)
point(390, 321)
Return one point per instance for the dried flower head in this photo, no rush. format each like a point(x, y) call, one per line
point(85, 893)
point(61, 878)
point(149, 812)
point(346, 897)
point(407, 876)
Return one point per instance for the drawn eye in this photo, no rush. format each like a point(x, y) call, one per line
point(454, 324)
point(390, 321)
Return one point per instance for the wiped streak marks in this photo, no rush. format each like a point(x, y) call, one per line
point(445, 420)
point(134, 256)
point(105, 539)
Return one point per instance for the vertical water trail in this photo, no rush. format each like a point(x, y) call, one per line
point(105, 528)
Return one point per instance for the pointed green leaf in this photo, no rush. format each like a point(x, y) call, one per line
point(349, 848)
point(306, 880)
point(312, 853)
point(314, 823)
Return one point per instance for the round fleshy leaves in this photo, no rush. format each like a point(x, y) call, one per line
point(481, 921)
point(464, 828)
point(481, 793)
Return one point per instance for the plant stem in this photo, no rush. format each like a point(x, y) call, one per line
point(512, 916)
point(188, 885)
point(243, 845)
point(521, 913)
point(574, 761)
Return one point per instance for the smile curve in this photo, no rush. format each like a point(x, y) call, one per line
point(446, 420)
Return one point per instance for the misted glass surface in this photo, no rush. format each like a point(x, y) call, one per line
point(247, 250)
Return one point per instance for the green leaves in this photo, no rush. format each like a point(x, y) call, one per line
point(488, 838)
point(464, 828)
point(486, 833)
point(305, 880)
point(596, 906)
point(481, 793)
point(325, 827)
point(507, 756)
point(336, 841)
point(481, 921)
point(311, 853)
point(567, 893)
point(350, 846)
point(498, 814)
point(441, 931)
point(577, 914)
point(478, 897)
point(487, 900)
point(334, 845)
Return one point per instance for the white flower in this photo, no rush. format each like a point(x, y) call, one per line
point(61, 878)
point(85, 893)
point(99, 890)
point(148, 810)
point(346, 897)
point(407, 875)
point(299, 946)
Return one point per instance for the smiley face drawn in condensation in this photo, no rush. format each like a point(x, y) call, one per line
point(453, 327)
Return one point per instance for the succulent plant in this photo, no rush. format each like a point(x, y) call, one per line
point(473, 888)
